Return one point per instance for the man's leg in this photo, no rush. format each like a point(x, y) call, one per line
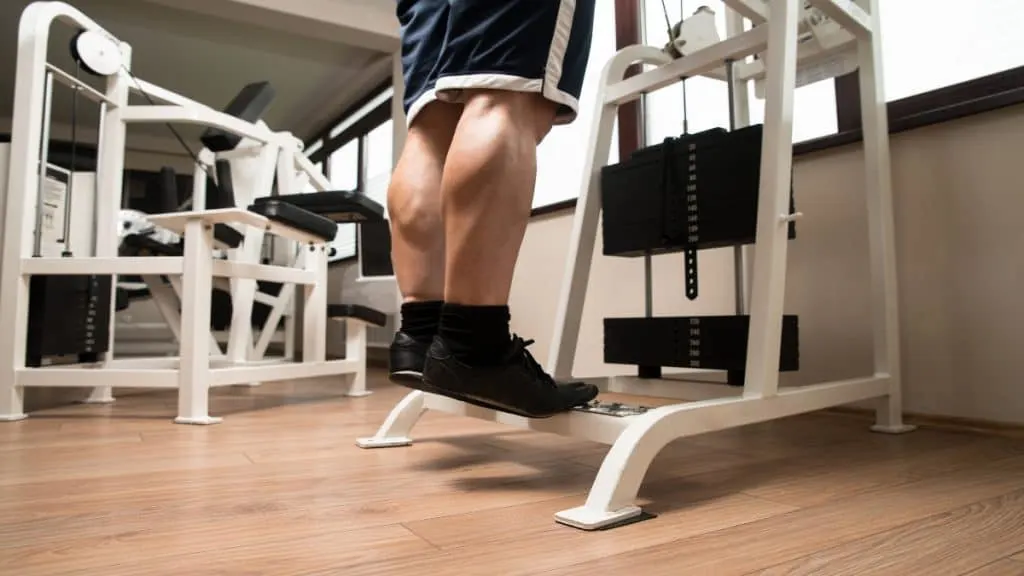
point(417, 234)
point(414, 195)
point(488, 191)
point(529, 75)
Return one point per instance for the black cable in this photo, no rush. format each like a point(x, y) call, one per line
point(686, 120)
point(74, 164)
point(668, 23)
point(195, 157)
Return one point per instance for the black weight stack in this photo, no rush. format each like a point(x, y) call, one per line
point(68, 316)
point(696, 192)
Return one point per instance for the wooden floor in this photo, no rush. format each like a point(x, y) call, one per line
point(279, 488)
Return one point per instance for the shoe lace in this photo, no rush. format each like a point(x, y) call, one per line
point(519, 348)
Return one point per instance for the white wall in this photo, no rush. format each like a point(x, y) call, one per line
point(959, 236)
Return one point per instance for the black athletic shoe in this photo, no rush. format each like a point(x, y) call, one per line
point(518, 385)
point(406, 358)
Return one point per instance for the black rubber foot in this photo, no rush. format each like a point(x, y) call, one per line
point(652, 372)
point(736, 377)
point(644, 515)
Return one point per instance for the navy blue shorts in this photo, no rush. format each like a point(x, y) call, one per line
point(537, 46)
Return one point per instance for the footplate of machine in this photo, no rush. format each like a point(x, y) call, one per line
point(616, 409)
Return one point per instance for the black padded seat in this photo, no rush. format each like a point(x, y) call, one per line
point(364, 313)
point(123, 297)
point(139, 245)
point(339, 206)
point(284, 212)
point(142, 245)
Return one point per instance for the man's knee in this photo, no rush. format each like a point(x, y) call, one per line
point(433, 127)
point(512, 110)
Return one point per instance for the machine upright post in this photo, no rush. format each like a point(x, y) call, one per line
point(109, 181)
point(44, 160)
point(881, 234)
point(19, 207)
point(739, 257)
point(765, 331)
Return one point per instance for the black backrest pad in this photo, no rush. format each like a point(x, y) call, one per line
point(168, 199)
point(339, 206)
point(250, 105)
point(223, 194)
point(289, 215)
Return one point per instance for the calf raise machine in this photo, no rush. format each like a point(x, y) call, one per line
point(682, 214)
point(223, 242)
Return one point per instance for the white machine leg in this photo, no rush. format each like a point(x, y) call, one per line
point(172, 317)
point(355, 349)
point(314, 314)
point(882, 241)
point(194, 370)
point(397, 429)
point(12, 402)
point(243, 292)
point(100, 395)
point(612, 497)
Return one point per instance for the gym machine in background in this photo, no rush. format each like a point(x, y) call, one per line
point(715, 188)
point(255, 176)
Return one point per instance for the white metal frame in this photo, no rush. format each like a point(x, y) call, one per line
point(636, 440)
point(198, 367)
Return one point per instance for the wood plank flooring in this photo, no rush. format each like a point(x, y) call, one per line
point(279, 488)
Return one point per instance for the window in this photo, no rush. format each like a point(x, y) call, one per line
point(707, 99)
point(343, 166)
point(378, 162)
point(343, 172)
point(561, 155)
point(930, 44)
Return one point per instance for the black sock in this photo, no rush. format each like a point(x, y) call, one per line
point(476, 335)
point(421, 319)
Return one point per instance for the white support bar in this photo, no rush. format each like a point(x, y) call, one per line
point(848, 14)
point(98, 378)
point(85, 266)
point(175, 222)
point(695, 64)
point(161, 95)
point(316, 177)
point(267, 272)
point(182, 115)
point(280, 307)
point(355, 351)
point(754, 10)
point(153, 363)
point(76, 84)
point(807, 55)
point(582, 425)
point(283, 371)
